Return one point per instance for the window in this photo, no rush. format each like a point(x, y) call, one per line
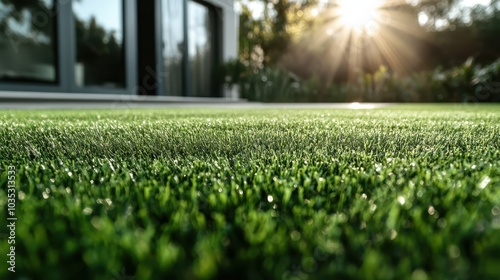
point(28, 41)
point(92, 46)
point(173, 46)
point(99, 43)
point(201, 49)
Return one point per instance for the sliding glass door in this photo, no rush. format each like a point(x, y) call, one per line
point(173, 46)
point(201, 51)
point(188, 48)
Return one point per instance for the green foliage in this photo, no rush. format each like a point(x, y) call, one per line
point(398, 193)
point(261, 84)
point(469, 82)
point(270, 85)
point(270, 34)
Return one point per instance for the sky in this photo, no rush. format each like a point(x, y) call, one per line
point(108, 13)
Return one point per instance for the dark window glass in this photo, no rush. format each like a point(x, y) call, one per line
point(173, 45)
point(99, 43)
point(27, 41)
point(201, 49)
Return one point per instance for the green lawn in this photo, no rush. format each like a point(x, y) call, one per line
point(409, 192)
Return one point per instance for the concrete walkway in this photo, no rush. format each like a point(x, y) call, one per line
point(221, 105)
point(47, 100)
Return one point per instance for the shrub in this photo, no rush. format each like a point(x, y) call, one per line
point(469, 82)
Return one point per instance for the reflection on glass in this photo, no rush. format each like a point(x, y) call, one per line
point(173, 44)
point(99, 43)
point(200, 49)
point(27, 41)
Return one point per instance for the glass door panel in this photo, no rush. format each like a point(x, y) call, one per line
point(200, 49)
point(99, 43)
point(173, 46)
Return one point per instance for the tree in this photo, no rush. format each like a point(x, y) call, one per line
point(39, 23)
point(281, 23)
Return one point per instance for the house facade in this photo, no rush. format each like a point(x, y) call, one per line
point(116, 47)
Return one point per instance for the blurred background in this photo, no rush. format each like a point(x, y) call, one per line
point(367, 51)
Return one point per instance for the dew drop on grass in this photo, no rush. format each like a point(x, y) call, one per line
point(453, 251)
point(362, 225)
point(475, 192)
point(485, 182)
point(295, 235)
point(394, 234)
point(87, 210)
point(495, 211)
point(401, 200)
point(419, 275)
point(111, 166)
point(442, 223)
point(128, 211)
point(495, 224)
point(96, 222)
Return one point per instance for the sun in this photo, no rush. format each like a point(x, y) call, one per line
point(359, 15)
point(357, 36)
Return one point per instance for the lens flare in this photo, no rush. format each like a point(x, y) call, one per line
point(359, 15)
